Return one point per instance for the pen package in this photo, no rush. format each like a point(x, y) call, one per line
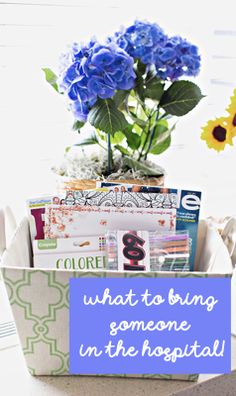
point(147, 251)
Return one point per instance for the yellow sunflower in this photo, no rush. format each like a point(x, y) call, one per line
point(217, 133)
point(232, 113)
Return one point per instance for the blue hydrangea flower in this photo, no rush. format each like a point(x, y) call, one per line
point(141, 40)
point(94, 71)
point(177, 58)
point(173, 57)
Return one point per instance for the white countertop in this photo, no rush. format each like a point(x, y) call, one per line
point(16, 380)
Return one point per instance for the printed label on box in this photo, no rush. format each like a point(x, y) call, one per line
point(150, 326)
point(69, 245)
point(87, 261)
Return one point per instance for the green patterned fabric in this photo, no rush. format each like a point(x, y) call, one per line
point(40, 305)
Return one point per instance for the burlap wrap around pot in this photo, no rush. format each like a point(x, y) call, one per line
point(66, 183)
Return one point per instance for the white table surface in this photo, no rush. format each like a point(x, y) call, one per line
point(16, 380)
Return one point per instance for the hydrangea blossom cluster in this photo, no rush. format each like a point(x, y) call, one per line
point(176, 58)
point(94, 71)
point(173, 57)
point(141, 40)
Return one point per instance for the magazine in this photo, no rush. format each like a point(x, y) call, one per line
point(186, 202)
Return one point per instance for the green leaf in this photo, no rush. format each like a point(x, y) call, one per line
point(137, 165)
point(51, 78)
point(162, 139)
point(154, 88)
point(102, 135)
point(122, 149)
point(133, 139)
point(105, 116)
point(162, 127)
point(141, 123)
point(88, 141)
point(139, 87)
point(137, 129)
point(77, 125)
point(180, 98)
point(161, 147)
point(141, 67)
point(143, 138)
point(117, 138)
point(67, 149)
point(161, 123)
point(120, 97)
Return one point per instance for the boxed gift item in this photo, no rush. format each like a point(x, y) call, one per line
point(84, 253)
point(72, 221)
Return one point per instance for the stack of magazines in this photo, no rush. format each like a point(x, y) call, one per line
point(119, 227)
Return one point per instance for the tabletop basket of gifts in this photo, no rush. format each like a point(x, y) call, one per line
point(113, 231)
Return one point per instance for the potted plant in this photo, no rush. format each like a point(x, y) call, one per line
point(130, 89)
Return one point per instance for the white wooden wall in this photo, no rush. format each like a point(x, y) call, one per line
point(35, 126)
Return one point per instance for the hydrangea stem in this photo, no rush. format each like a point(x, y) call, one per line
point(109, 154)
point(146, 139)
point(144, 144)
point(152, 134)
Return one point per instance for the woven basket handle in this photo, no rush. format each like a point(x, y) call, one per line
point(8, 226)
